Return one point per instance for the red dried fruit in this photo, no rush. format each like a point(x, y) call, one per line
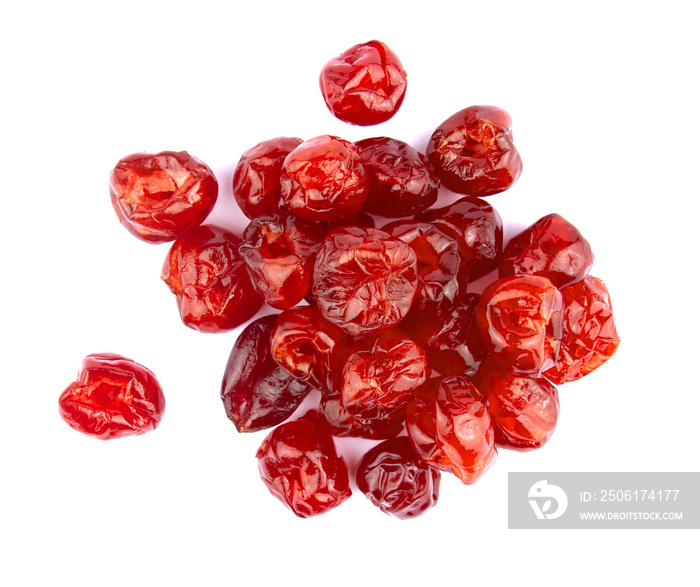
point(343, 423)
point(309, 347)
point(257, 393)
point(589, 334)
point(553, 248)
point(473, 152)
point(256, 179)
point(159, 197)
point(382, 374)
point(364, 279)
point(112, 397)
point(524, 410)
point(520, 321)
point(478, 229)
point(299, 465)
point(323, 179)
point(401, 180)
point(450, 427)
point(209, 279)
point(279, 251)
point(365, 85)
point(359, 219)
point(395, 479)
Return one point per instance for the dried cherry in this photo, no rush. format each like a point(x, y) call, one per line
point(364, 279)
point(206, 273)
point(395, 479)
point(473, 152)
point(112, 397)
point(300, 466)
point(365, 85)
point(256, 392)
point(158, 197)
point(343, 423)
point(256, 179)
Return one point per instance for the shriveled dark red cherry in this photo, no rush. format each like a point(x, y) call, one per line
point(208, 276)
point(256, 179)
point(343, 423)
point(112, 397)
point(553, 248)
point(520, 321)
point(365, 85)
point(395, 479)
point(478, 228)
point(364, 279)
point(323, 179)
point(159, 197)
point(524, 410)
point(279, 251)
point(309, 347)
point(401, 180)
point(589, 334)
point(473, 152)
point(450, 427)
point(257, 393)
point(299, 464)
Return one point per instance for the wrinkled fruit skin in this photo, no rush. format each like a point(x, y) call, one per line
point(299, 465)
point(524, 410)
point(477, 227)
point(209, 279)
point(343, 423)
point(159, 197)
point(589, 334)
point(256, 179)
point(279, 252)
point(365, 85)
point(402, 181)
point(520, 320)
point(473, 152)
point(553, 248)
point(256, 392)
point(112, 397)
point(364, 280)
point(450, 428)
point(395, 479)
point(323, 179)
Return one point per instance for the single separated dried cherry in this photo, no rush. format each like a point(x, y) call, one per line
point(257, 393)
point(395, 479)
point(365, 85)
point(300, 466)
point(159, 197)
point(112, 397)
point(206, 273)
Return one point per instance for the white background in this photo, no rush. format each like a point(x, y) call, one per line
point(605, 116)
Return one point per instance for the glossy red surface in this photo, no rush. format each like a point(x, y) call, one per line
point(112, 397)
point(159, 197)
point(342, 423)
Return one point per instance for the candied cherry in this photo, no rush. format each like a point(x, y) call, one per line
point(365, 85)
point(343, 423)
point(402, 181)
point(477, 227)
point(473, 152)
point(364, 279)
point(395, 479)
point(450, 427)
point(589, 334)
point(256, 179)
point(159, 197)
point(524, 410)
point(279, 251)
point(206, 273)
point(323, 179)
point(520, 320)
point(257, 393)
point(299, 465)
point(112, 397)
